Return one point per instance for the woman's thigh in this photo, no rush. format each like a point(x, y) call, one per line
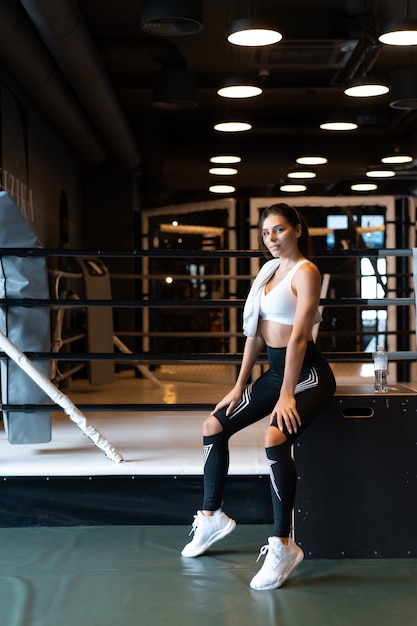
point(257, 401)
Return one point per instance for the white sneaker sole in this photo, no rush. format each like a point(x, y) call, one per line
point(220, 534)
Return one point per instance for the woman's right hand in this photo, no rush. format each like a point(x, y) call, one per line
point(230, 400)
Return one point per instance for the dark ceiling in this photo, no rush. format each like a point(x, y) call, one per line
point(325, 43)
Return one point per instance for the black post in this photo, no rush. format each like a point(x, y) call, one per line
point(402, 221)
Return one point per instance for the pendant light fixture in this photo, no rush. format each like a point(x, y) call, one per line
point(311, 160)
point(339, 125)
point(365, 87)
point(222, 189)
point(380, 172)
point(301, 174)
point(293, 188)
point(235, 88)
point(404, 88)
point(223, 171)
point(253, 31)
point(397, 159)
point(364, 187)
point(234, 126)
point(401, 32)
point(225, 159)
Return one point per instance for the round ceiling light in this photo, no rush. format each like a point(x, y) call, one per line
point(252, 32)
point(232, 127)
point(365, 88)
point(234, 88)
point(222, 188)
point(224, 158)
point(293, 188)
point(399, 33)
point(301, 174)
point(223, 171)
point(364, 187)
point(338, 126)
point(396, 159)
point(311, 160)
point(380, 173)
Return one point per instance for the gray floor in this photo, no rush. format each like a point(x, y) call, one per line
point(134, 575)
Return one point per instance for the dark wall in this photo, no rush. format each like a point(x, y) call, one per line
point(39, 171)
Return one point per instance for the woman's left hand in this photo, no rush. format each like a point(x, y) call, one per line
point(286, 413)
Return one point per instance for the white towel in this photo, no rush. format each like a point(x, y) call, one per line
point(251, 309)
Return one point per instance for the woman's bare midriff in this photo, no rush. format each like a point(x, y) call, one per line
point(274, 334)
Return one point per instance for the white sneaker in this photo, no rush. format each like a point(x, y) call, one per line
point(207, 530)
point(279, 562)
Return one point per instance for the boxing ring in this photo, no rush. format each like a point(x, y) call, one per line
point(136, 454)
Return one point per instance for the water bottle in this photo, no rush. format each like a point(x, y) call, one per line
point(381, 368)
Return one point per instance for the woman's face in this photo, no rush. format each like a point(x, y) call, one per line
point(279, 236)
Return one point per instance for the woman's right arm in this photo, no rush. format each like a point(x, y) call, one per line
point(253, 348)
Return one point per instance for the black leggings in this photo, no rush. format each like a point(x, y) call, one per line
point(315, 387)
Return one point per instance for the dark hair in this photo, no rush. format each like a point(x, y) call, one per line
point(294, 218)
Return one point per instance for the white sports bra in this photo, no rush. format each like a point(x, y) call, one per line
point(279, 304)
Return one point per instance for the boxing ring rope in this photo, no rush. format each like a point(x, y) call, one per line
point(140, 359)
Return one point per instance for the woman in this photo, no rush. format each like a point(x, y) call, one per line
point(280, 312)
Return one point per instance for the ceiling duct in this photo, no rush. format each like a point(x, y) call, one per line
point(172, 17)
point(65, 34)
point(32, 67)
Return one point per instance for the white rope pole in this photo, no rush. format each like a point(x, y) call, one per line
point(59, 398)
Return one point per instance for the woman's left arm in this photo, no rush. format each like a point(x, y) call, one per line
point(306, 284)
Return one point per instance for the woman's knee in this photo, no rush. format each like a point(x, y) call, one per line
point(274, 437)
point(211, 426)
